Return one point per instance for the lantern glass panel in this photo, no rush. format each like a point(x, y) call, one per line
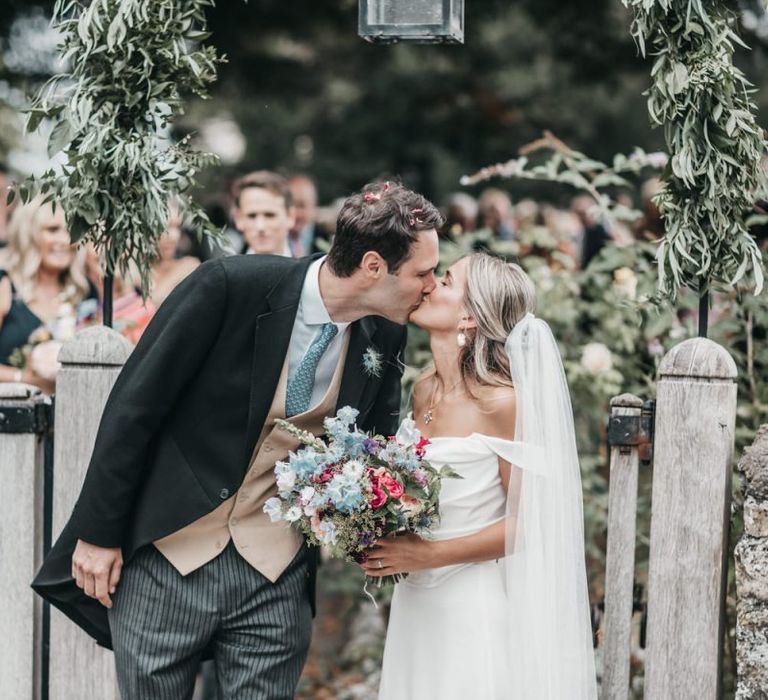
point(394, 12)
point(418, 21)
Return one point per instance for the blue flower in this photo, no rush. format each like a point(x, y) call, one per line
point(335, 428)
point(326, 532)
point(354, 444)
point(345, 493)
point(305, 462)
point(392, 452)
point(347, 415)
point(407, 460)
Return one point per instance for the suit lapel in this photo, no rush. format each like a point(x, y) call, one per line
point(355, 380)
point(273, 336)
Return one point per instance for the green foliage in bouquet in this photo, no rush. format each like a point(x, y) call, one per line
point(131, 63)
point(702, 101)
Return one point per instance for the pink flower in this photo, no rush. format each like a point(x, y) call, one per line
point(379, 498)
point(393, 486)
point(421, 447)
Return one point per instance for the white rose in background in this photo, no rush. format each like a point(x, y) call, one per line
point(44, 359)
point(655, 348)
point(596, 358)
point(625, 282)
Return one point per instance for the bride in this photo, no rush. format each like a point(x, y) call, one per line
point(495, 605)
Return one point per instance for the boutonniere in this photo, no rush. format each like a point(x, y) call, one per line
point(372, 362)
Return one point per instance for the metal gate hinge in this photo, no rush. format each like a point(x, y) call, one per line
point(634, 431)
point(26, 419)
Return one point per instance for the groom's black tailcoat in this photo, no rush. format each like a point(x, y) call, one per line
point(183, 418)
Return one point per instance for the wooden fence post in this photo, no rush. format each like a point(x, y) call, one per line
point(23, 419)
point(751, 556)
point(693, 451)
point(91, 361)
point(620, 553)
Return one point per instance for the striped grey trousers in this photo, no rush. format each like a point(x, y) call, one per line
point(161, 622)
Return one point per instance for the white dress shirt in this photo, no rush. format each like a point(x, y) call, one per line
point(310, 318)
point(287, 253)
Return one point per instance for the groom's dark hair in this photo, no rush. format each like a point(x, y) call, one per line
point(384, 217)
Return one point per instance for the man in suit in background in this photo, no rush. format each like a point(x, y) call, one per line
point(263, 213)
point(304, 237)
point(168, 555)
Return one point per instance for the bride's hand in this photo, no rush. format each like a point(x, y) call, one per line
point(398, 555)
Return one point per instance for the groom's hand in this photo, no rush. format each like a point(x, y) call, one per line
point(97, 570)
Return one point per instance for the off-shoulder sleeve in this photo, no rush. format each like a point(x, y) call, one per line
point(520, 454)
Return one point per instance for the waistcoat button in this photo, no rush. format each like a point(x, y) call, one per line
point(224, 494)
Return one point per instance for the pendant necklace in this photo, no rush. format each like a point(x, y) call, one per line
point(428, 416)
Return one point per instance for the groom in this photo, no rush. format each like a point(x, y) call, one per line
point(168, 555)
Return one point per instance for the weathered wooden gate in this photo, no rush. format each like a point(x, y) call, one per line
point(690, 513)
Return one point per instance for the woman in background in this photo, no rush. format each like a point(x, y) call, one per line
point(42, 283)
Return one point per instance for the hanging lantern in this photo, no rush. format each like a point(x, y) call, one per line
point(414, 21)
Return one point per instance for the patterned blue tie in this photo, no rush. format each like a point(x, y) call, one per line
point(299, 391)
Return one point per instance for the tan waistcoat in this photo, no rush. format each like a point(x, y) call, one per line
point(268, 547)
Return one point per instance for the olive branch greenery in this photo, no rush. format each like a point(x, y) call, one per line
point(703, 102)
point(131, 63)
point(566, 166)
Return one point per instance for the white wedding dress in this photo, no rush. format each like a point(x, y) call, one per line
point(447, 637)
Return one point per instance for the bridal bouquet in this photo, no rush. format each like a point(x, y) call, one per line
point(356, 488)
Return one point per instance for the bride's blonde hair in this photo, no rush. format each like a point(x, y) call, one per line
point(498, 294)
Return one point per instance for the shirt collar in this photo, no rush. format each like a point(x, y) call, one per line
point(312, 307)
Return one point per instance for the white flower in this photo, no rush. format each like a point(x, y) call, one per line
point(274, 509)
point(286, 480)
point(625, 282)
point(306, 498)
point(596, 358)
point(293, 514)
point(372, 362)
point(354, 469)
point(408, 434)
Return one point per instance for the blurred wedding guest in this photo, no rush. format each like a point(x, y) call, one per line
point(594, 236)
point(264, 213)
point(460, 215)
point(4, 208)
point(169, 269)
point(42, 285)
point(131, 313)
point(527, 214)
point(305, 234)
point(496, 213)
point(650, 227)
point(622, 232)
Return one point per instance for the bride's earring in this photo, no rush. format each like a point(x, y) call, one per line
point(461, 338)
